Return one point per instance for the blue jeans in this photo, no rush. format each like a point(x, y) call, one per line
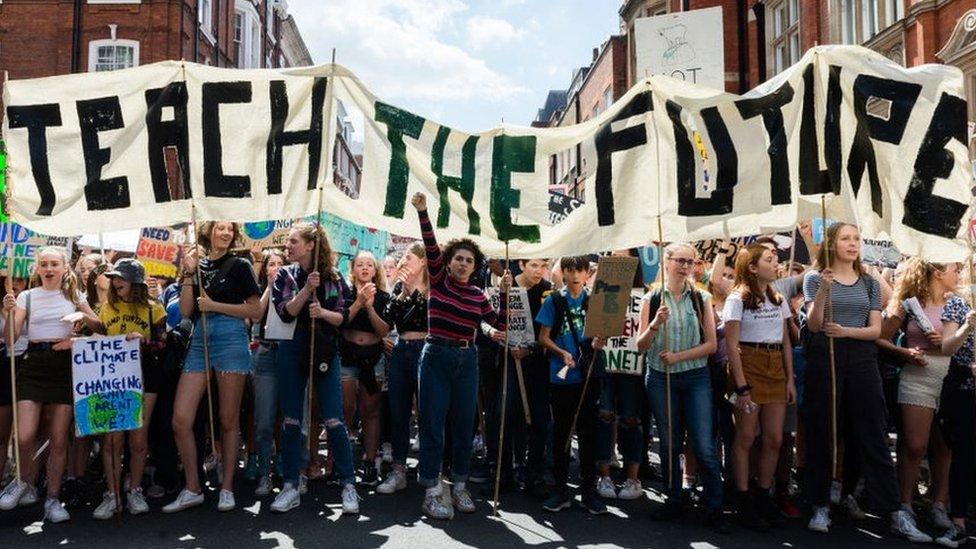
point(448, 383)
point(227, 346)
point(292, 376)
point(691, 409)
point(404, 364)
point(621, 400)
point(265, 382)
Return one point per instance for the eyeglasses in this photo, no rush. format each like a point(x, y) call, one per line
point(683, 261)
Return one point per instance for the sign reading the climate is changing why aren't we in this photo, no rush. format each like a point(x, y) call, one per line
point(106, 376)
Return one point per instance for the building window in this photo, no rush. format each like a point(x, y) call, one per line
point(784, 33)
point(247, 35)
point(205, 15)
point(869, 19)
point(111, 55)
point(862, 20)
point(607, 97)
point(894, 11)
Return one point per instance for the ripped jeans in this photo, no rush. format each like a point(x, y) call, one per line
point(292, 376)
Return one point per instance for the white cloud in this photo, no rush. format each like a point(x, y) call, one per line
point(488, 31)
point(510, 3)
point(400, 48)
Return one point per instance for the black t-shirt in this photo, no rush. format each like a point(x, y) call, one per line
point(235, 287)
point(361, 321)
point(408, 314)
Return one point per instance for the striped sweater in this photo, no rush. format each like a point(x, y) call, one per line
point(454, 310)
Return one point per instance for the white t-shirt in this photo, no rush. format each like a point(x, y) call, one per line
point(762, 325)
point(47, 307)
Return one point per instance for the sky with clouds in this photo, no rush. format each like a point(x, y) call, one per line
point(465, 63)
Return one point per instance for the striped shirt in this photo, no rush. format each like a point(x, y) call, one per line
point(683, 330)
point(454, 310)
point(851, 305)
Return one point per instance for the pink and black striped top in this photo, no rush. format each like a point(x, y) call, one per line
point(454, 310)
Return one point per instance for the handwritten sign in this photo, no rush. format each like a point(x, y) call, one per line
point(521, 332)
point(106, 379)
point(159, 251)
point(621, 352)
point(607, 309)
point(25, 244)
point(267, 234)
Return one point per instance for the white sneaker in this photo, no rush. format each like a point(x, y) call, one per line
point(940, 517)
point(820, 521)
point(853, 508)
point(350, 500)
point(107, 508)
point(185, 500)
point(461, 499)
point(29, 497)
point(415, 444)
point(137, 502)
point(226, 501)
point(55, 512)
point(394, 482)
point(387, 452)
point(606, 489)
point(903, 524)
point(631, 489)
point(302, 484)
point(287, 499)
point(12, 494)
point(264, 486)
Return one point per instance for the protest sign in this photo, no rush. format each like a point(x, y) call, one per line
point(521, 332)
point(607, 309)
point(106, 380)
point(267, 234)
point(560, 206)
point(881, 253)
point(25, 244)
point(701, 162)
point(159, 251)
point(650, 262)
point(620, 352)
point(3, 183)
point(686, 45)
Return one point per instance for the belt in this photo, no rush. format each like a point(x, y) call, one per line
point(448, 342)
point(40, 346)
point(769, 347)
point(413, 341)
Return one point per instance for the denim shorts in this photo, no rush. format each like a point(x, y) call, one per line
point(227, 346)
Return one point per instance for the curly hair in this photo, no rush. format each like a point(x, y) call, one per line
point(916, 281)
point(309, 232)
point(456, 244)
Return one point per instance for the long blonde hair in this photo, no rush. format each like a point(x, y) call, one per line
point(916, 281)
point(418, 250)
point(69, 282)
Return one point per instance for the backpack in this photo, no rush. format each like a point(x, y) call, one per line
point(585, 347)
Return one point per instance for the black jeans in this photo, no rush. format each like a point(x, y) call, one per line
point(526, 444)
point(959, 426)
point(861, 405)
point(563, 399)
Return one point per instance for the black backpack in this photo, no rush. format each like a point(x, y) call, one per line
point(561, 305)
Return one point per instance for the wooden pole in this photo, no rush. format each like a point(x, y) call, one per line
point(311, 324)
point(501, 425)
point(11, 343)
point(828, 315)
point(667, 368)
point(579, 405)
point(206, 339)
point(522, 391)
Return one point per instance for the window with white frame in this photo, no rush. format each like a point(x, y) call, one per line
point(783, 22)
point(607, 97)
point(894, 11)
point(205, 16)
point(862, 20)
point(111, 55)
point(247, 35)
point(269, 17)
point(869, 19)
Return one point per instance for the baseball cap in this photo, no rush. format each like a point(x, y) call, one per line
point(129, 270)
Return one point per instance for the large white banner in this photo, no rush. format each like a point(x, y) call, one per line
point(686, 45)
point(134, 148)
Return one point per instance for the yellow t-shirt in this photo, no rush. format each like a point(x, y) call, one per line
point(122, 318)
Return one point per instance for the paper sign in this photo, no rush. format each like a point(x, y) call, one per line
point(607, 308)
point(267, 234)
point(881, 253)
point(918, 314)
point(26, 243)
point(687, 45)
point(159, 251)
point(650, 258)
point(521, 332)
point(620, 353)
point(106, 380)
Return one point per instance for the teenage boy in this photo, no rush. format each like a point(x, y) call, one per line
point(561, 321)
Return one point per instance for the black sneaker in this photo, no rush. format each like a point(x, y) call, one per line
point(718, 522)
point(557, 501)
point(746, 513)
point(371, 476)
point(671, 510)
point(592, 502)
point(767, 509)
point(953, 537)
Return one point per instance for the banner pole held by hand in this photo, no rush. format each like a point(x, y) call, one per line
point(828, 316)
point(10, 327)
point(501, 426)
point(206, 337)
point(667, 368)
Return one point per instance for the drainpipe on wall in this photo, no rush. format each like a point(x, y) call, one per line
point(761, 42)
point(76, 37)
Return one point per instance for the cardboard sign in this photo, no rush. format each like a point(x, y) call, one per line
point(620, 353)
point(607, 309)
point(25, 243)
point(267, 234)
point(106, 380)
point(521, 332)
point(159, 251)
point(685, 45)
